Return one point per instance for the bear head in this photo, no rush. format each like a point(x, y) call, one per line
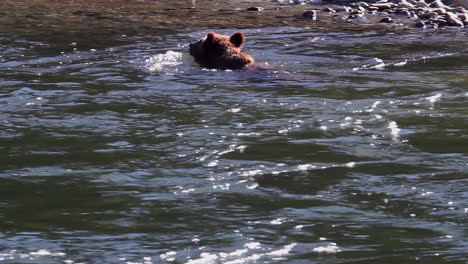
point(221, 52)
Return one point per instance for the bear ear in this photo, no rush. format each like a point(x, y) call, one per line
point(237, 39)
point(210, 36)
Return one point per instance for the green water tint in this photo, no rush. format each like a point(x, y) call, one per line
point(118, 148)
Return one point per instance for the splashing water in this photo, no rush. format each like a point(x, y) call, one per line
point(160, 62)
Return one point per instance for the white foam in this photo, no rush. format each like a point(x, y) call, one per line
point(253, 186)
point(45, 252)
point(188, 190)
point(330, 248)
point(278, 221)
point(41, 252)
point(244, 260)
point(374, 106)
point(257, 256)
point(434, 98)
point(161, 61)
point(394, 130)
point(379, 66)
point(241, 148)
point(373, 63)
point(205, 258)
point(401, 63)
point(304, 167)
point(283, 251)
point(213, 163)
point(248, 134)
point(236, 253)
point(252, 245)
point(252, 172)
point(168, 255)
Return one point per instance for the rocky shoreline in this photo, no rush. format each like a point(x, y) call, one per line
point(166, 16)
point(424, 13)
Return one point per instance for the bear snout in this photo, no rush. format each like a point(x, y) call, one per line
point(193, 46)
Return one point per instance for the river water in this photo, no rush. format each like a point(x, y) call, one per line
point(352, 149)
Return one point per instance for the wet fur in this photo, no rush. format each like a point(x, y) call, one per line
point(222, 52)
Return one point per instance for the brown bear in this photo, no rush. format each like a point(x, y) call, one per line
point(221, 52)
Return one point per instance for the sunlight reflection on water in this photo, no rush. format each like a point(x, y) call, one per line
point(137, 153)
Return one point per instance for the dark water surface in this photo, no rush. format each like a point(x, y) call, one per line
point(353, 151)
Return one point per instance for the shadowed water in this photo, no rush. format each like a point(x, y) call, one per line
point(352, 150)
